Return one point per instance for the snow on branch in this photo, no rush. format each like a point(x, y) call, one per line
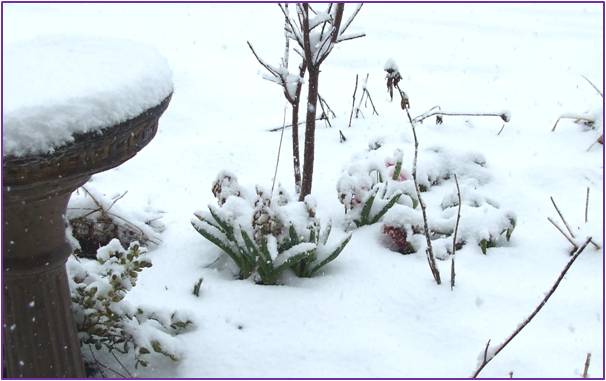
point(350, 19)
point(317, 35)
point(279, 75)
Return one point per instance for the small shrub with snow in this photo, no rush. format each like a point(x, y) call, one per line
point(369, 187)
point(373, 189)
point(266, 236)
point(105, 320)
point(483, 223)
point(96, 219)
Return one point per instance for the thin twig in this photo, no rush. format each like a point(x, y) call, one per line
point(587, 205)
point(563, 233)
point(374, 110)
point(353, 101)
point(99, 363)
point(429, 251)
point(487, 359)
point(598, 140)
point(350, 19)
point(286, 39)
point(562, 217)
point(501, 130)
point(324, 114)
point(576, 118)
point(279, 150)
point(275, 129)
point(122, 365)
point(116, 200)
point(592, 85)
point(342, 138)
point(586, 368)
point(422, 117)
point(454, 238)
point(321, 99)
point(358, 111)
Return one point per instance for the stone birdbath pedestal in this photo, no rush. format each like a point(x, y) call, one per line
point(72, 107)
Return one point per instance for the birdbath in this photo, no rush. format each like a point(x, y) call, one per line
point(72, 107)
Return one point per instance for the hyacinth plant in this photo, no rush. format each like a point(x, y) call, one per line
point(266, 236)
point(105, 320)
point(483, 223)
point(368, 191)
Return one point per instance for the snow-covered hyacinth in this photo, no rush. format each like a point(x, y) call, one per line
point(370, 186)
point(375, 186)
point(106, 320)
point(267, 235)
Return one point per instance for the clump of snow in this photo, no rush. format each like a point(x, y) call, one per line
point(391, 66)
point(56, 87)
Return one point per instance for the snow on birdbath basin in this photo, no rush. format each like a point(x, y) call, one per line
point(72, 107)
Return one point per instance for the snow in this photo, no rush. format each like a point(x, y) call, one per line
point(372, 312)
point(59, 86)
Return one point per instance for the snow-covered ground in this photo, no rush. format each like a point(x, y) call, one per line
point(373, 312)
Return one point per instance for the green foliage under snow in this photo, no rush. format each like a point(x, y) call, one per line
point(105, 320)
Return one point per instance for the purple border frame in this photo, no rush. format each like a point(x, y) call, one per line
point(316, 1)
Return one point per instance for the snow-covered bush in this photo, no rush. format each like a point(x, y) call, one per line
point(373, 189)
point(263, 236)
point(96, 219)
point(105, 320)
point(483, 223)
point(369, 187)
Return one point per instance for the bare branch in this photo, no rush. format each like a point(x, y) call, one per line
point(286, 40)
point(329, 10)
point(121, 196)
point(352, 36)
point(563, 233)
point(562, 217)
point(267, 67)
point(327, 106)
point(426, 115)
point(350, 19)
point(592, 85)
point(278, 77)
point(489, 358)
point(296, 33)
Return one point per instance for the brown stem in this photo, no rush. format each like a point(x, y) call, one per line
point(422, 117)
point(562, 217)
point(587, 205)
point(454, 238)
point(310, 130)
point(353, 101)
point(563, 233)
point(279, 151)
point(429, 252)
point(586, 367)
point(487, 359)
point(295, 128)
point(374, 110)
point(501, 130)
